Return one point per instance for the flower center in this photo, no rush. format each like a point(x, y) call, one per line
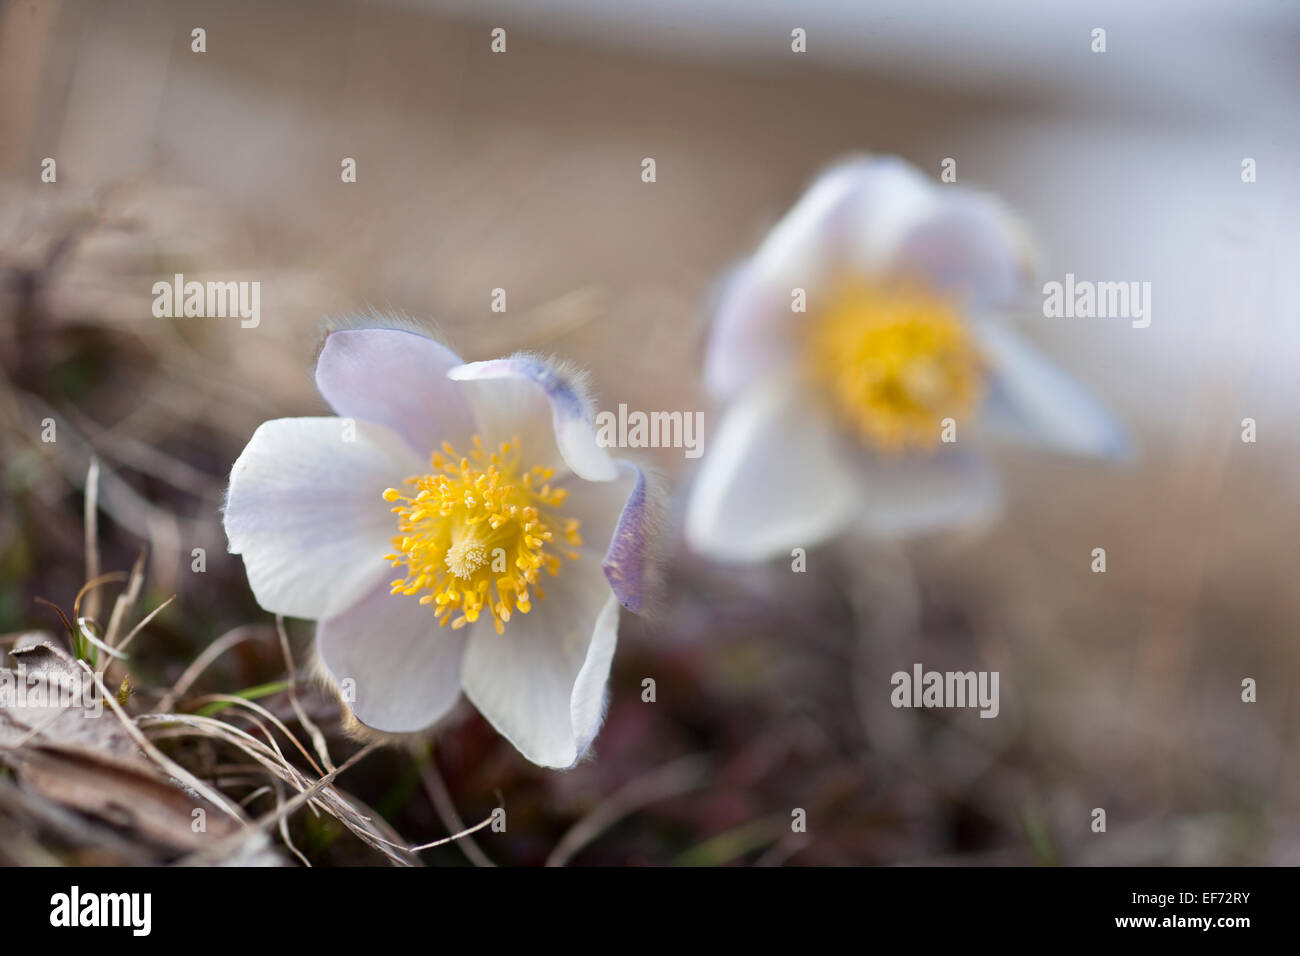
point(897, 360)
point(474, 533)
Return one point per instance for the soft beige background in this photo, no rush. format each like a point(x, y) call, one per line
point(522, 171)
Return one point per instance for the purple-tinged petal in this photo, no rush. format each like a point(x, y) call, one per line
point(970, 246)
point(527, 397)
point(397, 379)
point(1032, 401)
point(621, 517)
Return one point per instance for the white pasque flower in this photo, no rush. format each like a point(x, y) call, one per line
point(516, 538)
point(834, 415)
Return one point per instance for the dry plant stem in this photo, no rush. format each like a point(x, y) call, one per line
point(265, 788)
point(90, 586)
point(331, 801)
point(143, 621)
point(160, 758)
point(268, 755)
point(87, 635)
point(201, 663)
point(669, 780)
point(120, 501)
point(317, 738)
point(462, 835)
point(126, 600)
point(284, 825)
point(436, 788)
point(92, 534)
point(232, 845)
point(258, 708)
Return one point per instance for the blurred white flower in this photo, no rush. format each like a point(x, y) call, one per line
point(516, 537)
point(834, 414)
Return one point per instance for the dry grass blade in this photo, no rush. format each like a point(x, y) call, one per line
point(92, 534)
point(317, 738)
point(284, 825)
point(234, 845)
point(126, 600)
point(202, 662)
point(258, 708)
point(160, 758)
point(463, 834)
point(436, 788)
point(143, 622)
point(83, 628)
point(330, 799)
point(268, 755)
point(90, 586)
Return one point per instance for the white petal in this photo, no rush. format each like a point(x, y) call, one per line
point(404, 669)
point(893, 197)
point(543, 404)
point(752, 334)
point(852, 217)
point(541, 684)
point(1031, 400)
point(909, 496)
point(850, 221)
point(774, 478)
point(970, 245)
point(398, 379)
point(305, 509)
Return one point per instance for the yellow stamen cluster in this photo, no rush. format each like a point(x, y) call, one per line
point(474, 533)
point(897, 360)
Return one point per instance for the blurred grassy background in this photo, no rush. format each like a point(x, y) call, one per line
point(521, 171)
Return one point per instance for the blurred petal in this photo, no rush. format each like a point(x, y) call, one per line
point(751, 336)
point(405, 669)
point(970, 245)
point(305, 509)
point(850, 220)
point(1033, 401)
point(849, 206)
point(541, 684)
point(398, 379)
point(910, 496)
point(618, 521)
point(774, 478)
point(526, 396)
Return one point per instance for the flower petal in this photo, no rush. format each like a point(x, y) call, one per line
point(619, 517)
point(404, 668)
point(528, 397)
point(971, 245)
point(541, 684)
point(911, 496)
point(1031, 400)
point(775, 477)
point(398, 379)
point(851, 220)
point(305, 509)
point(852, 217)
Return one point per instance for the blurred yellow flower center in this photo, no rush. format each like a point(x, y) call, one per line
point(897, 360)
point(474, 533)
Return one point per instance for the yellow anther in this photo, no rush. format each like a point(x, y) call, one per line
point(474, 534)
point(896, 360)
